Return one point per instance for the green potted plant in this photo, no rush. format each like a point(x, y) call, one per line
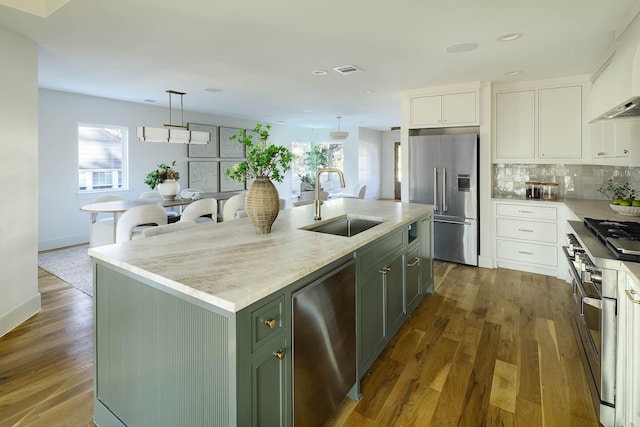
point(621, 197)
point(618, 194)
point(165, 178)
point(265, 162)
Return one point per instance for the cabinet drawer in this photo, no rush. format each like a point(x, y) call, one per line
point(546, 232)
point(381, 251)
point(528, 252)
point(527, 211)
point(266, 321)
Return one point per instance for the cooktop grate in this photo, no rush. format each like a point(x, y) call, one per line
point(608, 232)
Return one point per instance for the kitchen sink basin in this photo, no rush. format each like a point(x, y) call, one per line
point(346, 225)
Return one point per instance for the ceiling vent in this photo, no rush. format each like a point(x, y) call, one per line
point(347, 69)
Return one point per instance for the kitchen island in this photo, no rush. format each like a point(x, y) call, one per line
point(194, 327)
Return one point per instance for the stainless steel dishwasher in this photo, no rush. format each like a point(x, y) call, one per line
point(324, 345)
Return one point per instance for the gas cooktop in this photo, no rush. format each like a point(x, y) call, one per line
point(622, 238)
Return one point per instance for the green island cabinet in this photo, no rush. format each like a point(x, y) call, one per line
point(164, 358)
point(394, 273)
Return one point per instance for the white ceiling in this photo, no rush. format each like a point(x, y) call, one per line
point(261, 54)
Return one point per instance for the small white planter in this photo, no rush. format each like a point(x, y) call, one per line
point(169, 189)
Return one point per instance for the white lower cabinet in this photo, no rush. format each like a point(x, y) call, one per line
point(630, 337)
point(526, 236)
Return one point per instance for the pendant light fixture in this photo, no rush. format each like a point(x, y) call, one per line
point(173, 133)
point(339, 134)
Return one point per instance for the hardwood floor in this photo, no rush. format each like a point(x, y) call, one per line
point(46, 364)
point(489, 348)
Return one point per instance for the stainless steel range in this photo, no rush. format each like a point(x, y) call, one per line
point(595, 250)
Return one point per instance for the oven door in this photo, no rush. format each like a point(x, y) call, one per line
point(589, 324)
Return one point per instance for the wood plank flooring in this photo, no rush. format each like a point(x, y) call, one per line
point(46, 363)
point(489, 348)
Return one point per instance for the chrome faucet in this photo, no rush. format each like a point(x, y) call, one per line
point(317, 202)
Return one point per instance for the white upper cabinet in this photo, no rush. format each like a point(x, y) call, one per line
point(603, 140)
point(455, 109)
point(542, 124)
point(613, 141)
point(515, 125)
point(560, 123)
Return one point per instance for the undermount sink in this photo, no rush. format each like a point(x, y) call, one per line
point(345, 225)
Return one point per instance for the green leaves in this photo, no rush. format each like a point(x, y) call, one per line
point(263, 159)
point(617, 191)
point(160, 174)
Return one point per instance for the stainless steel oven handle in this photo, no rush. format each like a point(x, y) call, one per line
point(594, 302)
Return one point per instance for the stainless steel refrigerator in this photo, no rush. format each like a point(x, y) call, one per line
point(443, 171)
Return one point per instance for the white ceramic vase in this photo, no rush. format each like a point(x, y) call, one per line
point(169, 189)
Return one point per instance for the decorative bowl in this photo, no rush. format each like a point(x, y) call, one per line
point(626, 210)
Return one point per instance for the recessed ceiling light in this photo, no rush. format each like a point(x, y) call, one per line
point(512, 73)
point(509, 37)
point(213, 89)
point(462, 47)
point(319, 73)
point(150, 100)
point(366, 91)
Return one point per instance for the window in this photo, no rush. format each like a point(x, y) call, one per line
point(102, 158)
point(308, 158)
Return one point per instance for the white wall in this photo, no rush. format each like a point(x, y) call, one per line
point(19, 296)
point(363, 158)
point(387, 187)
point(61, 221)
point(370, 161)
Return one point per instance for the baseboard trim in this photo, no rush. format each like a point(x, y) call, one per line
point(63, 242)
point(19, 314)
point(485, 262)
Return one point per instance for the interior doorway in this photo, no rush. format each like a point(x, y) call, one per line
point(397, 172)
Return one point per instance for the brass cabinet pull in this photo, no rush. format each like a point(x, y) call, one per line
point(527, 212)
point(633, 296)
point(415, 261)
point(272, 323)
point(525, 253)
point(279, 354)
point(525, 230)
point(384, 270)
point(625, 151)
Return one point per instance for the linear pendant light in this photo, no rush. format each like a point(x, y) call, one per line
point(174, 134)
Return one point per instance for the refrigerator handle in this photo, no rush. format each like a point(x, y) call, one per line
point(444, 189)
point(435, 188)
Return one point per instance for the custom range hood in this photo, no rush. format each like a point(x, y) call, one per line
point(173, 133)
point(615, 91)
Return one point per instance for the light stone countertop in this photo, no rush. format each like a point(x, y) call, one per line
point(229, 266)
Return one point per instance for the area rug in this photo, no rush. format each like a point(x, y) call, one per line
point(70, 264)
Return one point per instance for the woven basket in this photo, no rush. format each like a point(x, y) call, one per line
point(262, 204)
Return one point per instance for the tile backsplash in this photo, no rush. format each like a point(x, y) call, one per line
point(575, 181)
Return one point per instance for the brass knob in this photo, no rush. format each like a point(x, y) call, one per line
point(626, 151)
point(272, 323)
point(279, 354)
